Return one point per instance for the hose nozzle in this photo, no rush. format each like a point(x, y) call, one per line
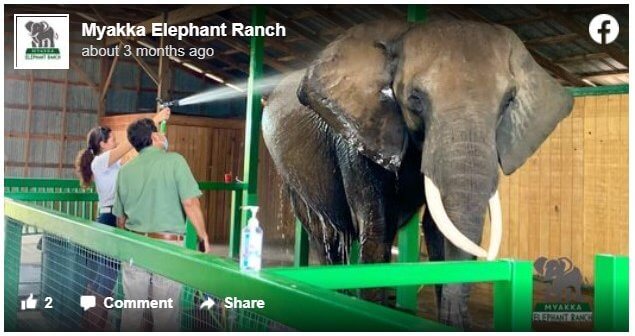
point(169, 103)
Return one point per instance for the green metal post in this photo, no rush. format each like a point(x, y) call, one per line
point(301, 255)
point(235, 224)
point(417, 13)
point(611, 293)
point(408, 252)
point(354, 253)
point(408, 236)
point(12, 256)
point(513, 298)
point(254, 111)
point(191, 238)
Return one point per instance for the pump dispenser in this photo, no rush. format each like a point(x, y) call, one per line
point(251, 242)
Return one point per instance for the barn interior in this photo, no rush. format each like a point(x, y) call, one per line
point(569, 199)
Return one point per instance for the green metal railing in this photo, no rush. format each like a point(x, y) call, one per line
point(311, 289)
point(67, 196)
point(288, 301)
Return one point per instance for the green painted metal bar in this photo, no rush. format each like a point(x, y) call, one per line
point(611, 293)
point(62, 196)
point(235, 224)
point(254, 111)
point(74, 184)
point(12, 257)
point(354, 252)
point(290, 302)
point(513, 298)
point(191, 238)
point(409, 252)
point(301, 253)
point(397, 274)
point(408, 236)
point(222, 186)
point(598, 90)
point(417, 13)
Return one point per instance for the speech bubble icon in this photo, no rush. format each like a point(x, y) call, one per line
point(87, 301)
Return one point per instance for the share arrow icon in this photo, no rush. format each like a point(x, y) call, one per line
point(208, 303)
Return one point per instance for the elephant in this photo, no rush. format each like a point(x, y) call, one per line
point(565, 278)
point(393, 116)
point(42, 34)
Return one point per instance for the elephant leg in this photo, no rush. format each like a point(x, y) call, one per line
point(368, 187)
point(453, 309)
point(324, 240)
point(434, 244)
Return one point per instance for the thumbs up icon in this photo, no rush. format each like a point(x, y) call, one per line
point(29, 303)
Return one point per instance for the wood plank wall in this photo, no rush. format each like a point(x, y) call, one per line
point(213, 147)
point(570, 199)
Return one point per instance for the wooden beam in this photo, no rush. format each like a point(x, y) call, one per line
point(581, 58)
point(178, 16)
point(84, 76)
point(106, 84)
point(557, 39)
point(193, 61)
point(524, 20)
point(147, 68)
point(467, 13)
point(270, 61)
point(244, 68)
point(604, 73)
point(557, 70)
point(43, 136)
point(311, 36)
point(570, 23)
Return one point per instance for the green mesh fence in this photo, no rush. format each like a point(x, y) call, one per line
point(66, 270)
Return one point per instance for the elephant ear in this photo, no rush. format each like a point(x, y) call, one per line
point(539, 266)
point(45, 26)
point(540, 102)
point(350, 87)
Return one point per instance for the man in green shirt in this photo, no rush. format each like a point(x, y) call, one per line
point(154, 193)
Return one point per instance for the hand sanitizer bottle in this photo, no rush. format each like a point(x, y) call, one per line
point(251, 243)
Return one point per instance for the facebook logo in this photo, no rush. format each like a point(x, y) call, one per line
point(604, 29)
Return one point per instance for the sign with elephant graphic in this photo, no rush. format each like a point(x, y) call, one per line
point(563, 301)
point(41, 41)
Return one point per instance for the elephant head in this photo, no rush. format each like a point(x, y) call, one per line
point(36, 28)
point(553, 268)
point(468, 94)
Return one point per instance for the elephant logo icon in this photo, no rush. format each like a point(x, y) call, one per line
point(42, 35)
point(565, 278)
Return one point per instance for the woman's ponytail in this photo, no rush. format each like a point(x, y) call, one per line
point(82, 167)
point(85, 156)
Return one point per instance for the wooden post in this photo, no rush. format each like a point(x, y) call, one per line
point(63, 131)
point(27, 141)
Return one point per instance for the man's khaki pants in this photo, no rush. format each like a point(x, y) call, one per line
point(138, 284)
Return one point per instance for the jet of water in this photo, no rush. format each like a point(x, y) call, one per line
point(226, 92)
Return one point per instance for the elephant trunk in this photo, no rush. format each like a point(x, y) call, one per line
point(461, 184)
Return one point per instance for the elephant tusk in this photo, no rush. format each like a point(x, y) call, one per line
point(445, 225)
point(496, 226)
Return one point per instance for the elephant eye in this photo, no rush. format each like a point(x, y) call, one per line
point(418, 101)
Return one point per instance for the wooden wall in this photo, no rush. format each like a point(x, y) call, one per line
point(571, 197)
point(213, 147)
